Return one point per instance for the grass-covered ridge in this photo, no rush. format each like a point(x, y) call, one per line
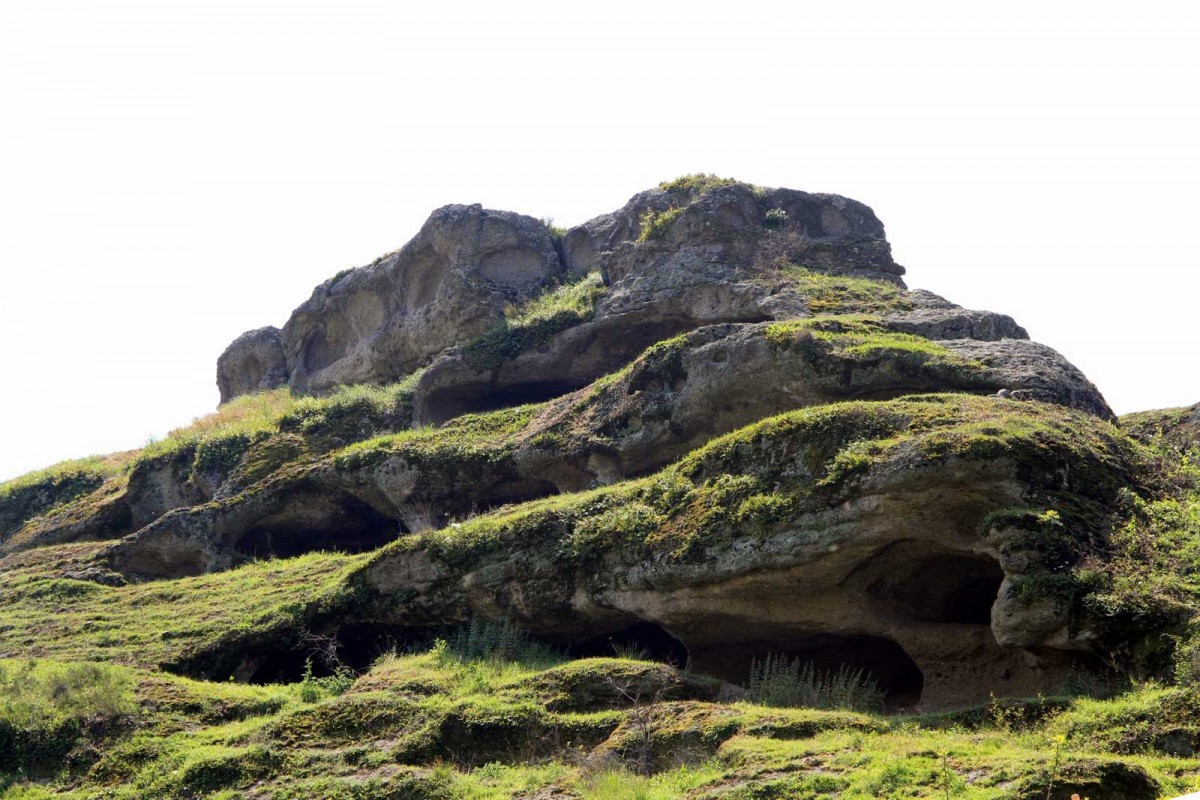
point(532, 323)
point(257, 433)
point(747, 481)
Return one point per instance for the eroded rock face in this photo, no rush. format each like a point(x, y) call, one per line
point(253, 362)
point(725, 225)
point(376, 323)
point(892, 570)
point(454, 279)
point(676, 397)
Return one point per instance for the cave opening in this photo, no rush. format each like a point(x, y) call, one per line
point(642, 640)
point(879, 658)
point(354, 646)
point(446, 405)
point(343, 524)
point(917, 582)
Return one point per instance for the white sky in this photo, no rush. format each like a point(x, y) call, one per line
point(174, 173)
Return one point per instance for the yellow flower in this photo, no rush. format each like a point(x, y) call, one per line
point(1060, 738)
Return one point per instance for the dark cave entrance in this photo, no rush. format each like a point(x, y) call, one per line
point(917, 582)
point(643, 640)
point(342, 523)
point(882, 659)
point(355, 646)
point(445, 405)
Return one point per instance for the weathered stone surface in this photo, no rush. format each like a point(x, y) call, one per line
point(446, 286)
point(254, 362)
point(888, 567)
point(673, 399)
point(454, 279)
point(1032, 371)
point(935, 317)
point(729, 225)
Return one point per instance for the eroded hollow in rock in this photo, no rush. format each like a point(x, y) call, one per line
point(882, 659)
point(447, 404)
point(643, 640)
point(312, 523)
point(916, 582)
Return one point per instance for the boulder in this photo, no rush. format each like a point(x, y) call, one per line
point(253, 362)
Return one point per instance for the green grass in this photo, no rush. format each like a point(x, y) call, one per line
point(531, 324)
point(747, 482)
point(445, 724)
point(840, 294)
point(654, 224)
point(863, 338)
point(162, 623)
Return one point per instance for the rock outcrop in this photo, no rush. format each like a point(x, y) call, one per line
point(681, 257)
point(714, 423)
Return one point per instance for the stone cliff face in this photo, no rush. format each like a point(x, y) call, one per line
point(715, 415)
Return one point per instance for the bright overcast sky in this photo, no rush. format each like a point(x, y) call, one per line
point(174, 173)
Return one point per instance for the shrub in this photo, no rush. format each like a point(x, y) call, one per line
point(779, 680)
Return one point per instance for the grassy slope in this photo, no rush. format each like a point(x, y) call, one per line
point(435, 724)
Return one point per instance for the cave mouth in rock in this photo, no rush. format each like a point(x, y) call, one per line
point(642, 640)
point(917, 582)
point(343, 524)
point(446, 405)
point(882, 659)
point(354, 646)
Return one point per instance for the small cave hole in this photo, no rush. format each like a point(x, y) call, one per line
point(342, 524)
point(450, 403)
point(643, 641)
point(915, 581)
point(950, 589)
point(353, 646)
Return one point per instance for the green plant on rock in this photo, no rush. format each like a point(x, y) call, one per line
point(654, 224)
point(531, 324)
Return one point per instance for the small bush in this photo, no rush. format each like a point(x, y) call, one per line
point(775, 219)
point(779, 680)
point(313, 689)
point(44, 708)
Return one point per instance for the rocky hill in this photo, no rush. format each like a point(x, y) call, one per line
point(694, 499)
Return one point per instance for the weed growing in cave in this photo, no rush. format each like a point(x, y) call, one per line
point(780, 680)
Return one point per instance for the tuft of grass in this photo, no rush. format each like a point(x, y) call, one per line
point(675, 784)
point(780, 680)
point(827, 293)
point(654, 224)
point(530, 324)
